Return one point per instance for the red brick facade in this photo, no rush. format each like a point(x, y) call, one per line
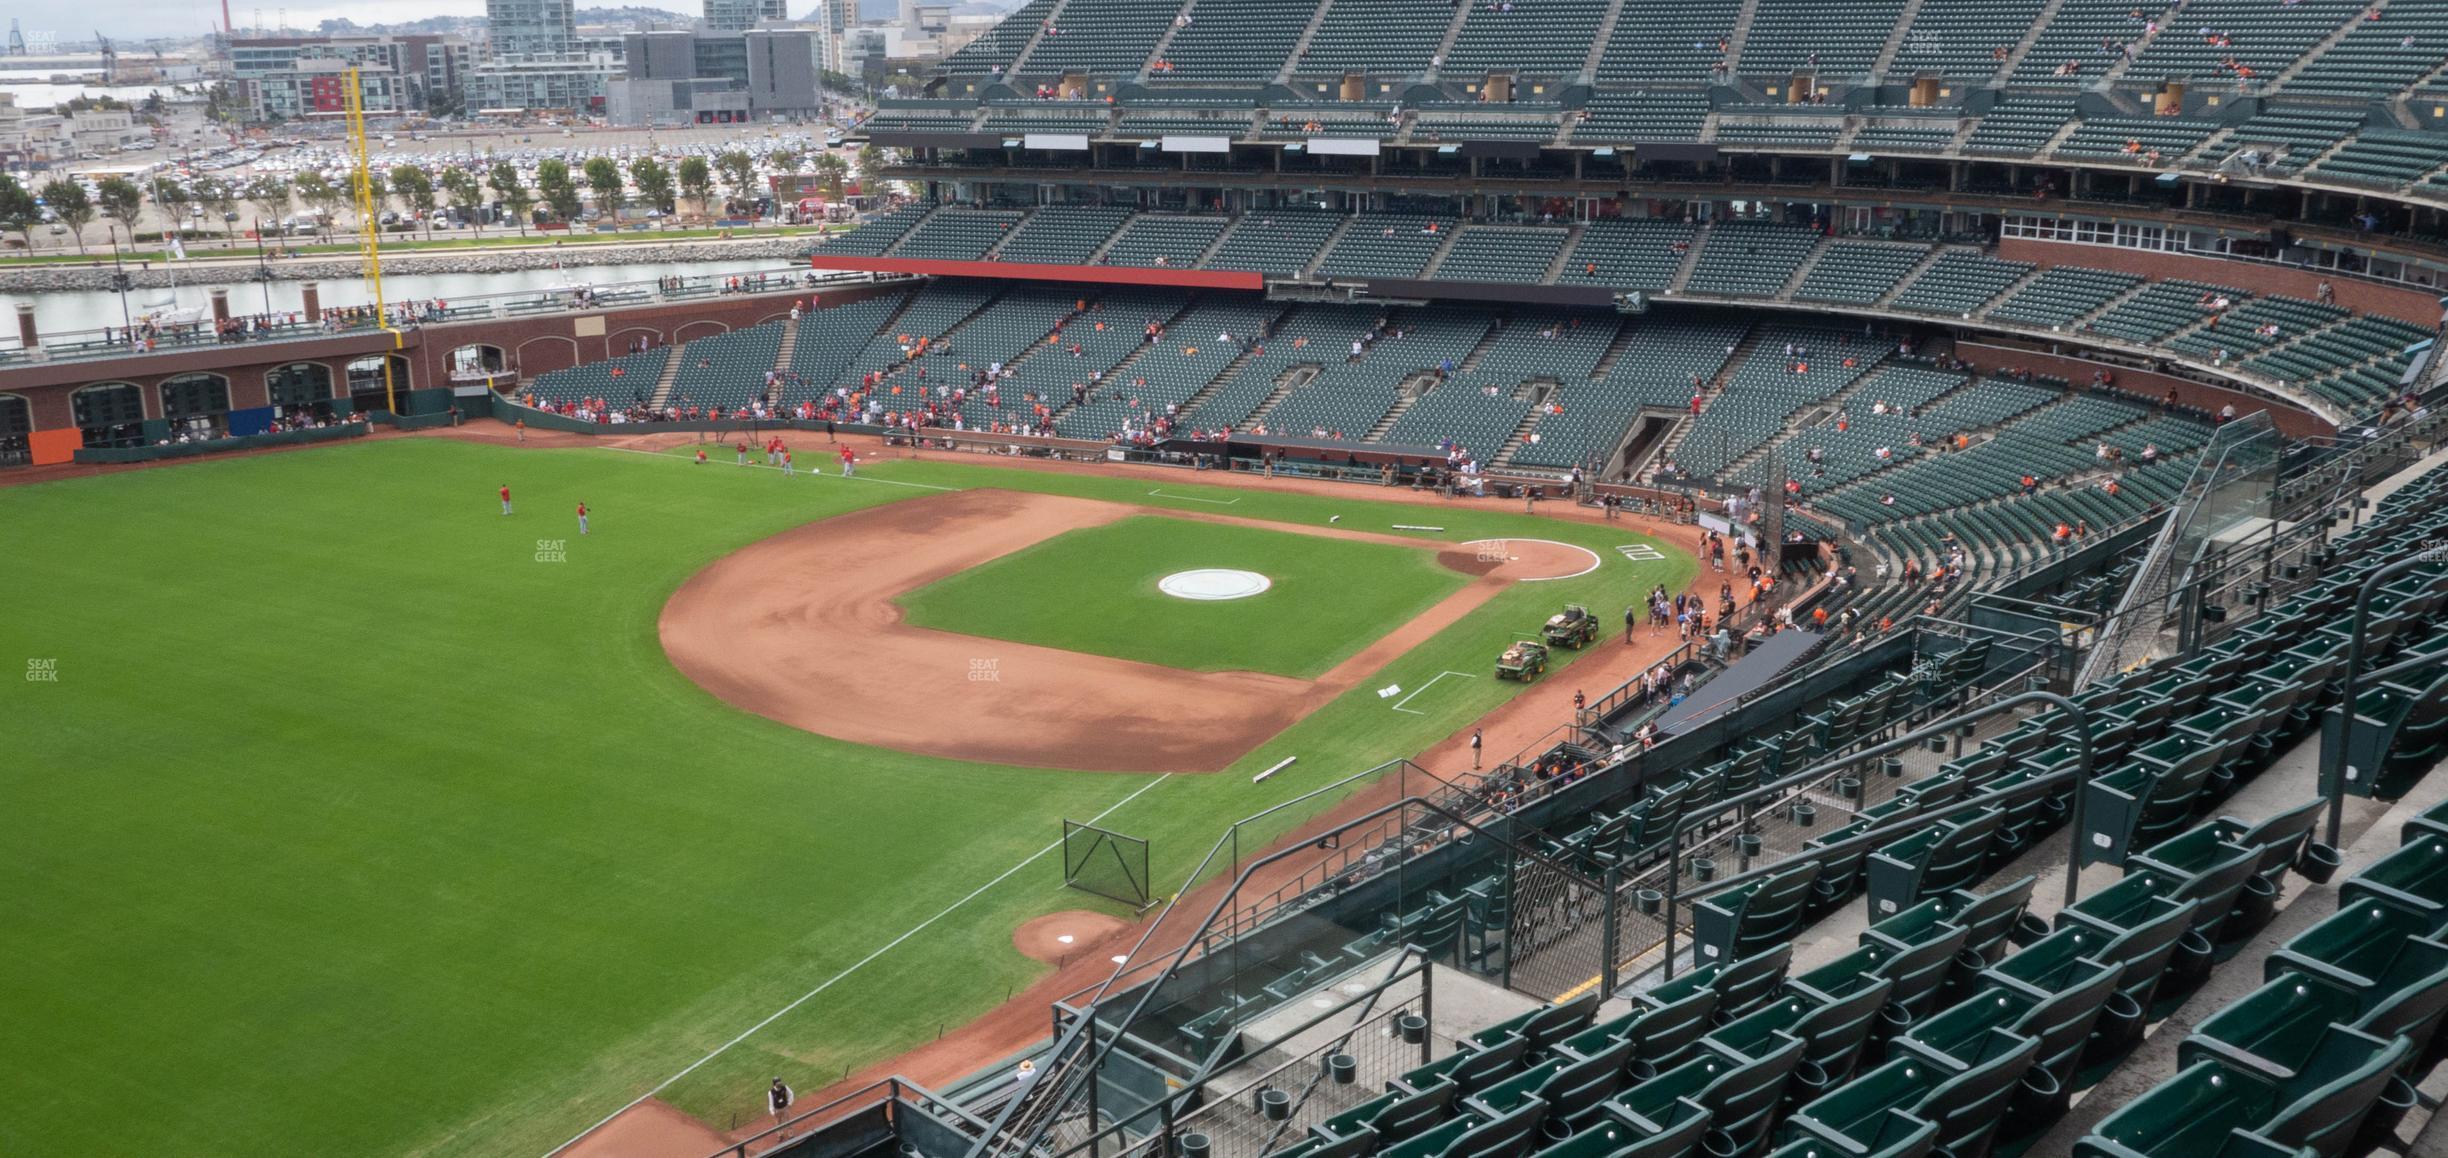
point(2420, 307)
point(531, 345)
point(2144, 385)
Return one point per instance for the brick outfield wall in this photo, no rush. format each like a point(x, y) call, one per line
point(2407, 304)
point(534, 344)
point(2144, 385)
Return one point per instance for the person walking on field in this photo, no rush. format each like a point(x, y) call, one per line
point(1476, 740)
point(742, 450)
point(1631, 617)
point(786, 464)
point(505, 498)
point(582, 516)
point(779, 1097)
point(522, 430)
point(849, 462)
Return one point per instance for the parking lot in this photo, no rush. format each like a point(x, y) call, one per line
point(190, 150)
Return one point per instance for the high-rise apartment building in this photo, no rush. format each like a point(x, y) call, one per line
point(531, 28)
point(741, 15)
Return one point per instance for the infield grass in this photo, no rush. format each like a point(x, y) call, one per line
point(1095, 590)
point(353, 824)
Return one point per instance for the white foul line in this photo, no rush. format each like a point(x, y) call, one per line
point(1159, 493)
point(862, 962)
point(761, 466)
point(1398, 704)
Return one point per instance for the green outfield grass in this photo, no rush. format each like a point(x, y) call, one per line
point(354, 823)
point(1312, 618)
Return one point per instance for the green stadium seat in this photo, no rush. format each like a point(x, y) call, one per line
point(2321, 1107)
point(1736, 924)
point(1965, 1097)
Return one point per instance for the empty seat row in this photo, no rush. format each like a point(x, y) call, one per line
point(1858, 272)
point(1749, 258)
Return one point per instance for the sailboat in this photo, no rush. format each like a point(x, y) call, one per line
point(164, 309)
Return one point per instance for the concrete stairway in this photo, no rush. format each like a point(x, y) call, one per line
point(663, 381)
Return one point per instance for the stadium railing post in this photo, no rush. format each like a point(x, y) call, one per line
point(2082, 780)
point(1609, 935)
point(2334, 770)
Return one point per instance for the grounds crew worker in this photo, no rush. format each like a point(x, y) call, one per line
point(779, 1097)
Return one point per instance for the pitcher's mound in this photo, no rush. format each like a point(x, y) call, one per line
point(1058, 937)
point(1210, 584)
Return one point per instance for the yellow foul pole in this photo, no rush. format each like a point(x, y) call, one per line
point(368, 227)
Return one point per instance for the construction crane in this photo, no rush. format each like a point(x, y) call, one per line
point(368, 226)
point(110, 58)
point(16, 40)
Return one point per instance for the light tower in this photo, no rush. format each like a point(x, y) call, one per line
point(370, 229)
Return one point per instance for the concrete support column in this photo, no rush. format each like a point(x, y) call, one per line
point(314, 303)
point(26, 334)
point(220, 300)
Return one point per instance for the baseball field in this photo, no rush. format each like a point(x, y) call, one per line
point(346, 814)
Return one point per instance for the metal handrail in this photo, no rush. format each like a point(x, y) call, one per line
point(1395, 973)
point(781, 1130)
point(2335, 772)
point(1097, 1048)
point(1230, 843)
point(2158, 568)
point(1605, 705)
point(1881, 834)
point(2082, 731)
point(1368, 1011)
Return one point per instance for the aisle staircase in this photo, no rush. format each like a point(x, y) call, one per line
point(663, 381)
point(782, 359)
point(1289, 381)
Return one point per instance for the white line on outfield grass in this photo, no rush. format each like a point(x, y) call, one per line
point(891, 482)
point(862, 962)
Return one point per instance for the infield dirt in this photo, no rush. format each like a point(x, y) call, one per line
point(802, 628)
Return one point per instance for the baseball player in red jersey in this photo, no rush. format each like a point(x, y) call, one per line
point(505, 498)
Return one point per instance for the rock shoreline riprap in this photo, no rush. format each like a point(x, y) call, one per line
point(41, 279)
